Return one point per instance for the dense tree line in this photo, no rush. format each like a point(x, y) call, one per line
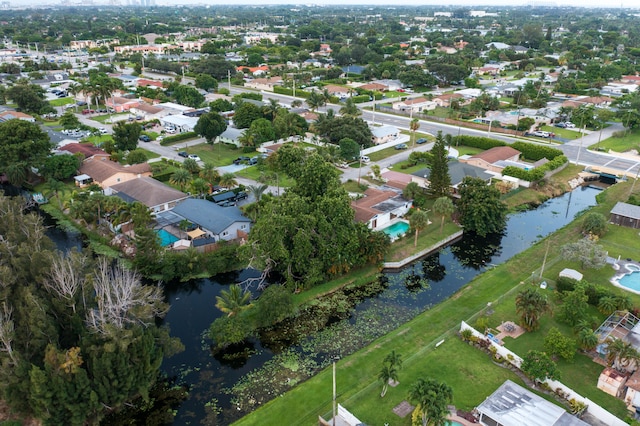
point(78, 337)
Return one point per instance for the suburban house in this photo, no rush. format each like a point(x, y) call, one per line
point(144, 82)
point(87, 149)
point(445, 100)
point(457, 172)
point(396, 179)
point(339, 91)
point(415, 105)
point(172, 108)
point(121, 104)
point(182, 123)
point(147, 111)
point(254, 71)
point(106, 173)
point(625, 214)
point(374, 87)
point(148, 191)
point(231, 135)
point(264, 83)
point(220, 223)
point(378, 209)
point(513, 405)
point(487, 159)
point(384, 134)
point(16, 115)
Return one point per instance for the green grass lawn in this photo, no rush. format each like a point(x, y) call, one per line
point(259, 173)
point(563, 133)
point(353, 187)
point(218, 154)
point(404, 247)
point(620, 144)
point(384, 153)
point(61, 101)
point(470, 373)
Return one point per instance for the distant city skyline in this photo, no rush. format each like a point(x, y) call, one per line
point(626, 4)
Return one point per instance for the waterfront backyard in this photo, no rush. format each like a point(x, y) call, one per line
point(468, 371)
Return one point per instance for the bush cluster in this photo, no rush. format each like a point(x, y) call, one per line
point(177, 138)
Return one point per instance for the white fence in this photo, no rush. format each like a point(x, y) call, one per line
point(592, 408)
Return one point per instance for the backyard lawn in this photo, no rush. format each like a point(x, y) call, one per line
point(470, 373)
point(217, 154)
point(61, 101)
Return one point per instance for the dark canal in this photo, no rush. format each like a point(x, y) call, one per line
point(225, 387)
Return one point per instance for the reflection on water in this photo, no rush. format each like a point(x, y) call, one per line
point(234, 382)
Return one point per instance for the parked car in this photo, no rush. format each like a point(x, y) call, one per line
point(421, 141)
point(240, 160)
point(561, 125)
point(194, 157)
point(87, 111)
point(569, 125)
point(102, 130)
point(145, 138)
point(401, 146)
point(241, 195)
point(252, 161)
point(183, 154)
point(365, 159)
point(227, 203)
point(541, 134)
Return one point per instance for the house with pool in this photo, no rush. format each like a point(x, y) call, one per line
point(383, 210)
point(213, 221)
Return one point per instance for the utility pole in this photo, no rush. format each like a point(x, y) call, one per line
point(334, 392)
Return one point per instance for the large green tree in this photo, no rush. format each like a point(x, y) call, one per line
point(210, 126)
point(29, 98)
point(481, 210)
point(23, 145)
point(309, 233)
point(189, 96)
point(538, 366)
point(439, 179)
point(125, 135)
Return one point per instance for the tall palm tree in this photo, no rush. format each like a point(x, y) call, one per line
point(315, 100)
point(394, 359)
point(444, 207)
point(418, 221)
point(257, 191)
point(388, 373)
point(587, 338)
point(414, 125)
point(432, 398)
point(531, 304)
point(607, 305)
point(233, 301)
point(228, 180)
point(271, 109)
point(209, 173)
point(180, 177)
point(199, 186)
point(622, 355)
point(350, 109)
point(56, 188)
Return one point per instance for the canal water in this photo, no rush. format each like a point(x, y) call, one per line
point(224, 387)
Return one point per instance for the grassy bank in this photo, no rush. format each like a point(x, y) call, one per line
point(471, 375)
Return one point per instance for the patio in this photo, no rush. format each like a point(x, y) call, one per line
point(509, 329)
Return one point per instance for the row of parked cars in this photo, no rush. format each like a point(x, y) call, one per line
point(249, 161)
point(228, 198)
point(565, 125)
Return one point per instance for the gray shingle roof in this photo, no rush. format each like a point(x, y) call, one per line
point(626, 210)
point(209, 215)
point(457, 172)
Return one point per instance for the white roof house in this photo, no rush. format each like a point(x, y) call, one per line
point(181, 122)
point(174, 108)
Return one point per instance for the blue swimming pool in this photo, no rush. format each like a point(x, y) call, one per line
point(166, 239)
point(397, 229)
point(631, 281)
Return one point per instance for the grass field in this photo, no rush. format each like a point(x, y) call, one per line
point(563, 133)
point(217, 154)
point(61, 101)
point(628, 142)
point(469, 372)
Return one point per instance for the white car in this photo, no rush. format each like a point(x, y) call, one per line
point(194, 157)
point(365, 159)
point(569, 125)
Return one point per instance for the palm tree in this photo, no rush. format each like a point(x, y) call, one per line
point(622, 355)
point(350, 109)
point(271, 109)
point(209, 173)
point(180, 177)
point(191, 165)
point(55, 188)
point(418, 221)
point(531, 304)
point(388, 373)
point(607, 305)
point(432, 398)
point(315, 100)
point(394, 359)
point(199, 186)
point(414, 125)
point(234, 300)
point(587, 338)
point(297, 103)
point(444, 207)
point(257, 191)
point(228, 180)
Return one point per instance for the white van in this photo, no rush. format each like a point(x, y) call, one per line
point(364, 159)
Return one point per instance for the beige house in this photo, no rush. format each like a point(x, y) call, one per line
point(264, 83)
point(16, 115)
point(415, 105)
point(487, 159)
point(106, 173)
point(446, 99)
point(148, 111)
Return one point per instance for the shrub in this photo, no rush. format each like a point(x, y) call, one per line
point(477, 142)
point(564, 284)
point(177, 138)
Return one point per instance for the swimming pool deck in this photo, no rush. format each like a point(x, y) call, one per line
point(622, 268)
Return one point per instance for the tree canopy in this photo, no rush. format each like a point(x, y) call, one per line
point(23, 145)
point(210, 126)
point(481, 210)
point(125, 135)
